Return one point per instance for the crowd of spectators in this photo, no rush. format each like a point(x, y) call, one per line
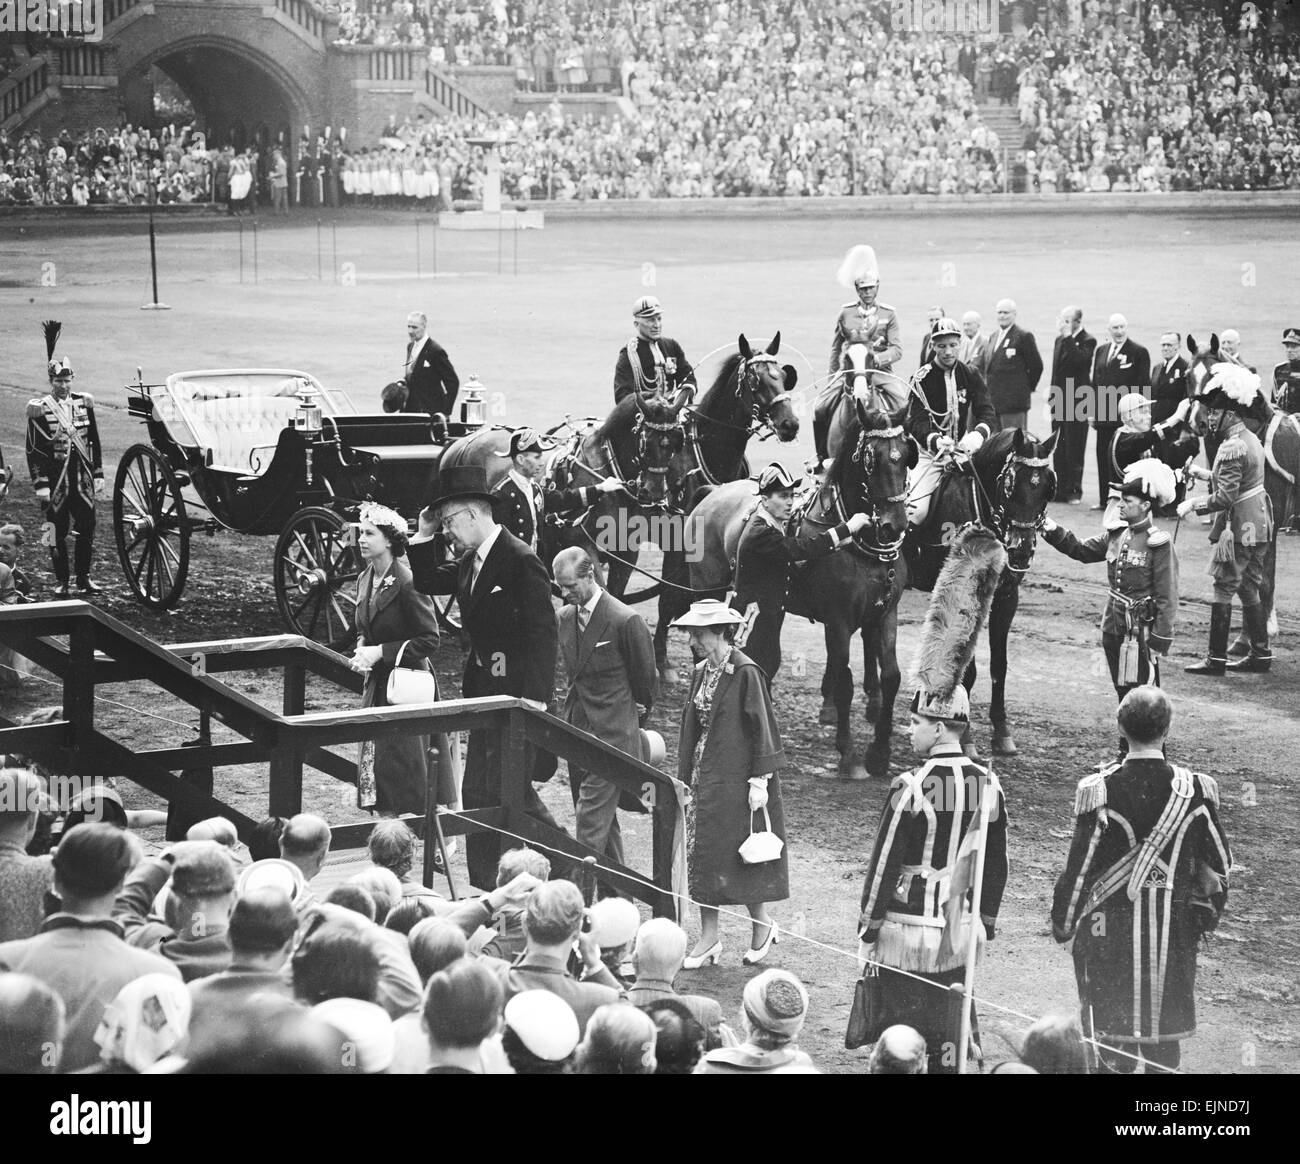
point(209, 956)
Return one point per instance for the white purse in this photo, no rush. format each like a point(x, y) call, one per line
point(762, 846)
point(407, 685)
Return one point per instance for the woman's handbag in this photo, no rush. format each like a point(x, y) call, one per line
point(865, 1018)
point(760, 847)
point(407, 685)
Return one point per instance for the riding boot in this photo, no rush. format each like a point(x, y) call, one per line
point(1240, 645)
point(59, 557)
point(1220, 623)
point(1261, 655)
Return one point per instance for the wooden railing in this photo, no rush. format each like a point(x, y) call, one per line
point(448, 94)
point(22, 87)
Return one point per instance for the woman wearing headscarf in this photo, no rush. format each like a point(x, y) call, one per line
point(146, 1022)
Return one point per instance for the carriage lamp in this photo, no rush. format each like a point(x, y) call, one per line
point(472, 410)
point(308, 417)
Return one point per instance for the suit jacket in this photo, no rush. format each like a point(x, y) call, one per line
point(1012, 370)
point(1072, 357)
point(706, 1011)
point(509, 617)
point(611, 668)
point(1168, 389)
point(974, 351)
point(927, 352)
point(431, 382)
point(533, 971)
point(1129, 371)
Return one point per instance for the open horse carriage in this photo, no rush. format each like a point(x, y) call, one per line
point(266, 451)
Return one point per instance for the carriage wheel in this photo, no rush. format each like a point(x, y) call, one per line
point(150, 527)
point(316, 571)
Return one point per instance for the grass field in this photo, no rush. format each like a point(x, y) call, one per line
point(544, 343)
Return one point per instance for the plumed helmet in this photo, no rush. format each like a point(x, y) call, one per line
point(859, 268)
point(1230, 386)
point(945, 328)
point(62, 366)
point(1151, 479)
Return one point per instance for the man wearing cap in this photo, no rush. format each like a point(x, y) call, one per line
point(765, 559)
point(610, 663)
point(1286, 375)
point(1012, 369)
point(431, 381)
point(914, 914)
point(1142, 569)
point(1119, 368)
point(524, 504)
point(1071, 401)
point(948, 411)
point(650, 362)
point(1243, 520)
point(863, 320)
point(66, 464)
point(504, 594)
point(1138, 439)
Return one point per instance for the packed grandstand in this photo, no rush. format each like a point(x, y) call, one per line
point(743, 98)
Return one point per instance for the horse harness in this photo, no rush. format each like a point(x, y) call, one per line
point(758, 415)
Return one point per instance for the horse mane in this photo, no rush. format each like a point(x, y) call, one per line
point(619, 421)
point(721, 381)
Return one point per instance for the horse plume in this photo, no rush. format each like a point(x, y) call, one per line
point(52, 328)
point(959, 607)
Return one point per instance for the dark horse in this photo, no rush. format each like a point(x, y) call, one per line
point(1279, 433)
point(853, 590)
point(749, 395)
point(1007, 489)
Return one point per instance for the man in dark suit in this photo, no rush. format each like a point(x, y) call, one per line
point(504, 594)
point(609, 659)
point(974, 350)
point(1118, 368)
point(927, 352)
point(658, 956)
point(1071, 380)
point(1170, 385)
point(1012, 368)
point(431, 381)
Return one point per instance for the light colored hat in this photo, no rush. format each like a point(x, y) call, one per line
point(1131, 403)
point(272, 873)
point(653, 748)
point(381, 517)
point(1151, 479)
point(944, 328)
point(859, 267)
point(545, 1024)
point(710, 612)
point(147, 1020)
point(776, 479)
point(933, 705)
point(647, 307)
point(776, 1001)
point(366, 1027)
point(614, 922)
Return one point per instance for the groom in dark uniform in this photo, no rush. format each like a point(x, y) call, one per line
point(660, 363)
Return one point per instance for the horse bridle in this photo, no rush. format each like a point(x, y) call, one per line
point(865, 455)
point(759, 413)
point(1000, 522)
point(642, 430)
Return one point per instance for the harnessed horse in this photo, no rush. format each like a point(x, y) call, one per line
point(855, 589)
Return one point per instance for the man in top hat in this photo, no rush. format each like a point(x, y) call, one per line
point(765, 558)
point(1146, 876)
point(504, 594)
point(1243, 519)
point(66, 464)
point(1286, 375)
point(523, 503)
point(609, 660)
point(865, 320)
point(1119, 367)
point(431, 381)
point(650, 362)
point(1138, 439)
point(950, 412)
point(1142, 569)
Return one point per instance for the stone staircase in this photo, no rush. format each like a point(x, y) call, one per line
point(1004, 120)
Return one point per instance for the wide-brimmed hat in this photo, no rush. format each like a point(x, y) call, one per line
point(272, 873)
point(709, 612)
point(462, 483)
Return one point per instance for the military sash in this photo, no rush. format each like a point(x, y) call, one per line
point(64, 422)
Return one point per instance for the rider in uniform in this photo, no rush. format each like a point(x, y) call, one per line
point(948, 409)
point(66, 464)
point(524, 504)
point(1142, 569)
point(650, 361)
point(1243, 521)
point(1286, 375)
point(1138, 438)
point(765, 558)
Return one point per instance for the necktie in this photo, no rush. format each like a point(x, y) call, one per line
point(584, 616)
point(409, 348)
point(473, 572)
point(1114, 351)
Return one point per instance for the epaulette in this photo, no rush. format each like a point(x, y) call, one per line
point(844, 306)
point(923, 371)
point(1091, 793)
point(1209, 787)
point(1231, 449)
point(86, 398)
point(1157, 537)
point(883, 306)
point(36, 407)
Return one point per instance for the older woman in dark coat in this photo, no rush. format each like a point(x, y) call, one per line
point(729, 752)
point(393, 617)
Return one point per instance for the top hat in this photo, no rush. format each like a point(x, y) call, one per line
point(462, 483)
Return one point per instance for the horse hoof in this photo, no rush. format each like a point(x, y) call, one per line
point(828, 715)
point(877, 762)
point(970, 750)
point(853, 770)
point(1004, 744)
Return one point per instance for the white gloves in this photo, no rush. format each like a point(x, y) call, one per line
point(1048, 524)
point(971, 442)
point(42, 495)
point(1186, 507)
point(609, 484)
point(757, 793)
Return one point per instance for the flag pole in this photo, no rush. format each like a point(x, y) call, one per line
point(972, 946)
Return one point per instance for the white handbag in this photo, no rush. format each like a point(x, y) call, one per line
point(763, 846)
point(407, 685)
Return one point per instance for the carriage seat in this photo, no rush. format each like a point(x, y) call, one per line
point(241, 432)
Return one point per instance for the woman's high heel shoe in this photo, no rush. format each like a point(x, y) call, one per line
point(709, 957)
point(753, 957)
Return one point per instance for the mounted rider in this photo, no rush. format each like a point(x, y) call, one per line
point(1286, 375)
point(863, 320)
point(948, 412)
point(651, 363)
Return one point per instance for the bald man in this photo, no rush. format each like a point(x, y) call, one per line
point(974, 348)
point(1119, 367)
point(1230, 348)
point(431, 381)
point(1012, 368)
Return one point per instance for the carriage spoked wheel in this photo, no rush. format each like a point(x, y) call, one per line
point(316, 569)
point(150, 527)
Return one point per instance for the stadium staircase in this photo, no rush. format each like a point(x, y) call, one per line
point(1004, 120)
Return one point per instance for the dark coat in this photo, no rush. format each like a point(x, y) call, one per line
point(1168, 389)
point(388, 616)
point(743, 741)
point(1012, 370)
point(518, 513)
point(1072, 370)
point(1129, 371)
point(625, 381)
point(974, 408)
point(432, 382)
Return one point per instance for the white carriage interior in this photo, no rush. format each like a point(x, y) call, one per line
point(235, 417)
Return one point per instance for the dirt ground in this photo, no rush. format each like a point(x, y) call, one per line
point(544, 342)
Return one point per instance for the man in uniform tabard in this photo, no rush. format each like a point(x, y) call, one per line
point(1286, 375)
point(651, 362)
point(66, 464)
